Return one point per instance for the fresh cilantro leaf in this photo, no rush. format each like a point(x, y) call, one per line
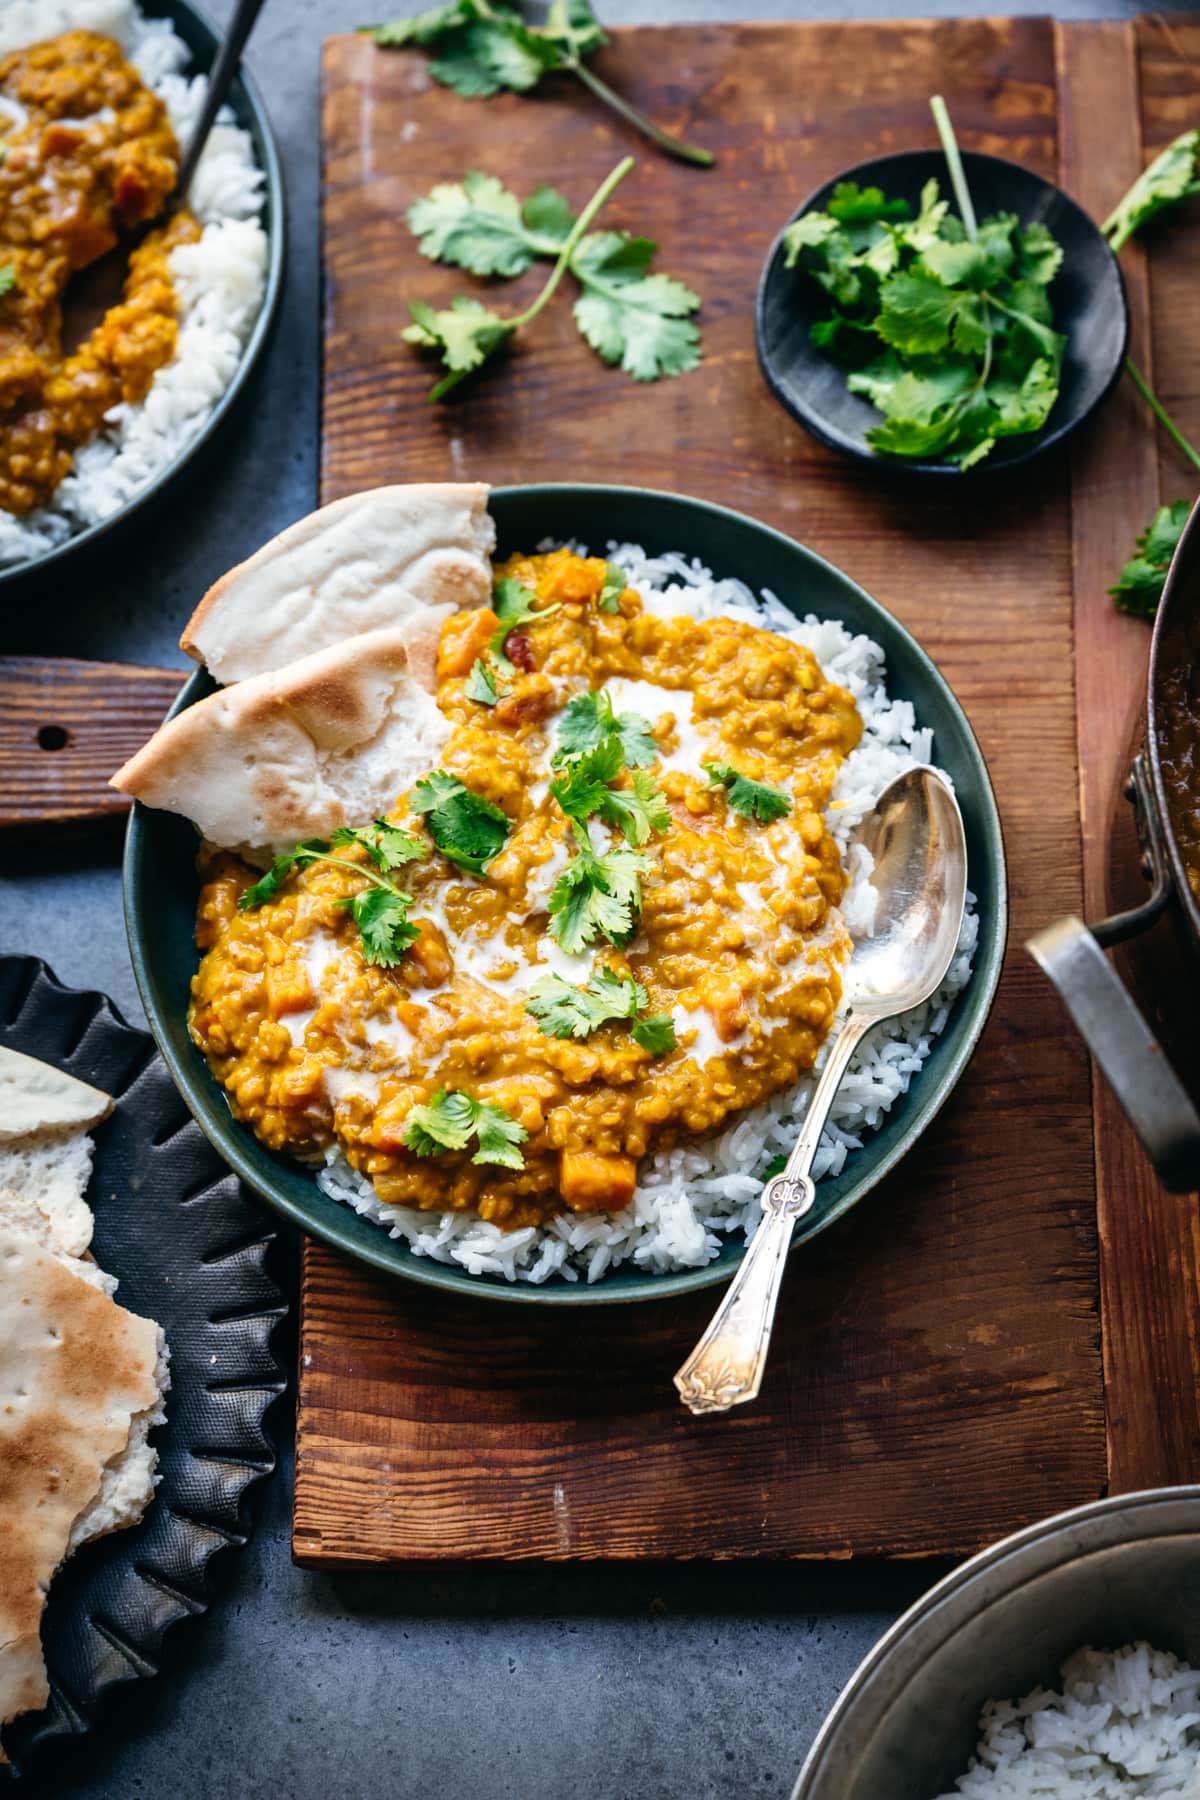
point(584, 792)
point(563, 1011)
point(382, 919)
point(547, 214)
point(753, 799)
point(596, 896)
point(480, 684)
point(636, 811)
point(1171, 177)
point(609, 597)
point(808, 232)
point(467, 828)
point(451, 1119)
point(629, 316)
point(1040, 254)
point(956, 265)
point(498, 1135)
point(588, 719)
point(581, 790)
point(917, 313)
point(466, 333)
point(388, 846)
point(775, 1167)
point(267, 886)
point(513, 604)
point(491, 52)
point(655, 1033)
point(479, 225)
point(851, 203)
point(1138, 588)
point(446, 1123)
point(8, 278)
point(573, 24)
point(482, 47)
point(380, 910)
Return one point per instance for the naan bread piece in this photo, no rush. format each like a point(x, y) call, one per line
point(76, 1370)
point(391, 558)
point(331, 740)
point(43, 1181)
point(36, 1097)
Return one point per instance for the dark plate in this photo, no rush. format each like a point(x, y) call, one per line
point(1087, 294)
point(161, 888)
point(246, 103)
point(187, 1246)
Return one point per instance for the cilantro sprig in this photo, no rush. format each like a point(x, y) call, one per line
point(478, 49)
point(380, 909)
point(563, 1011)
point(588, 719)
point(514, 605)
point(599, 895)
point(467, 828)
point(596, 896)
point(584, 792)
point(944, 322)
point(629, 315)
point(1138, 588)
point(1172, 176)
point(451, 1119)
point(753, 799)
point(8, 278)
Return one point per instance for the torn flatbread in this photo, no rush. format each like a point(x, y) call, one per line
point(36, 1097)
point(76, 1369)
point(392, 558)
point(331, 740)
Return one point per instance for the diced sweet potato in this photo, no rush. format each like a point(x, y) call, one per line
point(288, 989)
point(465, 636)
point(587, 1180)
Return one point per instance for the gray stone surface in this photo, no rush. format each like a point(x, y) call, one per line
point(627, 1685)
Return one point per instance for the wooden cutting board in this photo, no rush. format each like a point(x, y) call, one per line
point(939, 1375)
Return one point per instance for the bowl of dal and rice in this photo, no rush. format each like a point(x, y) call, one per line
point(125, 333)
point(697, 580)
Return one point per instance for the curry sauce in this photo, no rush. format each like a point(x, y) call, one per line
point(88, 157)
point(739, 937)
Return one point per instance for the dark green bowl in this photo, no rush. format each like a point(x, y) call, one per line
point(245, 101)
point(161, 886)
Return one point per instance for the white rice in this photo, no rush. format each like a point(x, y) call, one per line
point(220, 280)
point(1125, 1724)
point(691, 1198)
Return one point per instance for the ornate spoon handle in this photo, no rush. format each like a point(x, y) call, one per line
point(726, 1367)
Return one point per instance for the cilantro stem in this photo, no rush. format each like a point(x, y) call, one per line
point(568, 250)
point(666, 140)
point(958, 179)
point(1160, 412)
point(363, 869)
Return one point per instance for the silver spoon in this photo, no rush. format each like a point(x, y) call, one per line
point(220, 80)
point(915, 835)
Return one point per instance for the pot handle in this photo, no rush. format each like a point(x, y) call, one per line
point(1112, 1027)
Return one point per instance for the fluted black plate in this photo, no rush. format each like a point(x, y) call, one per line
point(187, 1246)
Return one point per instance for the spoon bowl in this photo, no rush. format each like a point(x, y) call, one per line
point(914, 836)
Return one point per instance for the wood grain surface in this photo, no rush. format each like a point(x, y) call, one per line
point(937, 1375)
point(65, 725)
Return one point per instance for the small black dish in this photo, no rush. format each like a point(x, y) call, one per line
point(1087, 294)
